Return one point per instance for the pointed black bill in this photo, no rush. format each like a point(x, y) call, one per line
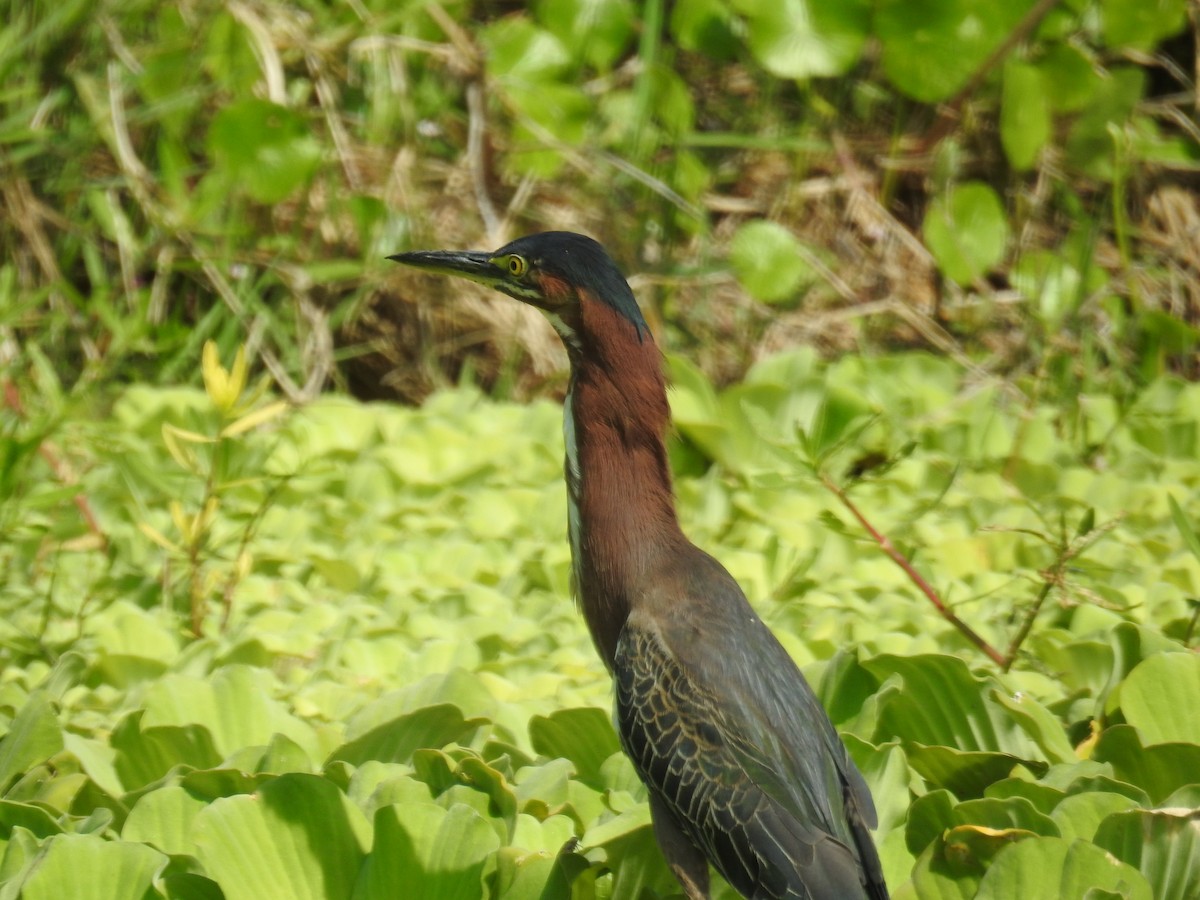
point(473, 264)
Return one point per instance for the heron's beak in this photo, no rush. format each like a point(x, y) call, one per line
point(473, 264)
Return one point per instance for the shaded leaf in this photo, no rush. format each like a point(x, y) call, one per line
point(584, 735)
point(395, 741)
point(1164, 844)
point(33, 737)
point(298, 837)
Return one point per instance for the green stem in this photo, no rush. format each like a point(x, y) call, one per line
point(1026, 625)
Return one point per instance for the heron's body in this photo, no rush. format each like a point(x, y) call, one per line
point(743, 766)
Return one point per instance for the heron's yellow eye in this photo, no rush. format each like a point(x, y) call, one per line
point(517, 266)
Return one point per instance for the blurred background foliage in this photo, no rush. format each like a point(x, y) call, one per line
point(1017, 182)
point(342, 639)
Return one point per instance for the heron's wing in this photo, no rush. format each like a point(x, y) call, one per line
point(767, 816)
point(782, 736)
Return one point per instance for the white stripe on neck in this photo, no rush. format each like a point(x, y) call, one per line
point(574, 479)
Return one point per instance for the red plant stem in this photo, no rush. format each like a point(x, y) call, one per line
point(924, 586)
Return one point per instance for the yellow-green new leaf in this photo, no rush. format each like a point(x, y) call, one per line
point(176, 440)
point(223, 387)
point(159, 538)
point(255, 418)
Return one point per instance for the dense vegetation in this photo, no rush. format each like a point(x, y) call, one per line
point(928, 278)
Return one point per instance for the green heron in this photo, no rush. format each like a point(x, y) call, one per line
point(741, 763)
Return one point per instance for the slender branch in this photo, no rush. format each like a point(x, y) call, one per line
point(903, 562)
point(1065, 551)
point(1014, 646)
point(476, 154)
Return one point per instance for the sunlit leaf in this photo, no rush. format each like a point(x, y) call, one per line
point(1154, 693)
point(89, 866)
point(1024, 114)
point(967, 231)
point(769, 261)
point(1050, 868)
point(802, 39)
point(254, 419)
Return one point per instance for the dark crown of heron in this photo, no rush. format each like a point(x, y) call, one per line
point(558, 263)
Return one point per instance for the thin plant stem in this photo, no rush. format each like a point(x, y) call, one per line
point(903, 562)
point(1027, 624)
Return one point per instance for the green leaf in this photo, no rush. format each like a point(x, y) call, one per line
point(539, 875)
point(932, 47)
point(1160, 769)
point(163, 818)
point(221, 782)
point(1164, 844)
point(1044, 797)
point(1141, 24)
point(1191, 540)
point(34, 819)
point(963, 716)
point(1024, 114)
point(967, 231)
point(33, 737)
point(559, 112)
point(628, 844)
point(585, 736)
point(1010, 813)
point(74, 865)
point(1068, 77)
point(229, 56)
point(597, 31)
point(1050, 280)
point(1089, 145)
point(1050, 868)
point(298, 837)
point(768, 261)
point(928, 816)
point(423, 850)
point(234, 703)
point(966, 773)
point(704, 26)
point(1079, 815)
point(520, 52)
point(1040, 724)
point(840, 410)
point(264, 149)
point(284, 755)
point(145, 755)
point(887, 771)
point(395, 741)
point(1154, 693)
point(805, 38)
point(943, 871)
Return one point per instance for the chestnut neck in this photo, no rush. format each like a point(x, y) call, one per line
point(622, 509)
